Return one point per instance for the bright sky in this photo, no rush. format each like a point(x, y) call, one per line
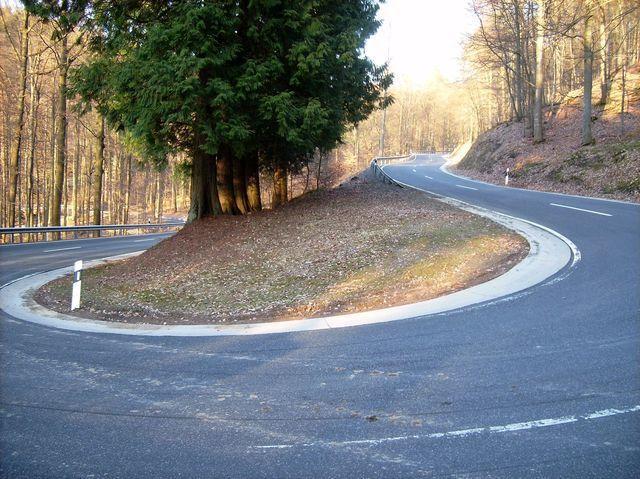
point(422, 37)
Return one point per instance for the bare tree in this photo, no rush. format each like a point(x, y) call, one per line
point(16, 145)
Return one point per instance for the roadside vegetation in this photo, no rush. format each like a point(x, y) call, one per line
point(362, 245)
point(223, 94)
point(561, 104)
point(127, 111)
point(608, 168)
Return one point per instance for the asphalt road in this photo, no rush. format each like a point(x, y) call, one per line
point(546, 384)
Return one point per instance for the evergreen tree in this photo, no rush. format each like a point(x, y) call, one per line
point(231, 81)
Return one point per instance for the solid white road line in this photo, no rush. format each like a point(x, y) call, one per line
point(517, 426)
point(428, 177)
point(146, 239)
point(467, 187)
point(61, 249)
point(581, 209)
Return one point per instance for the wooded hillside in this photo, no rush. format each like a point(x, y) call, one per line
point(529, 54)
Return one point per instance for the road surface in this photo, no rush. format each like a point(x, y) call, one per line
point(543, 385)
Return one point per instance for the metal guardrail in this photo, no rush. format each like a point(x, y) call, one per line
point(62, 229)
point(380, 161)
point(429, 152)
point(385, 160)
point(46, 230)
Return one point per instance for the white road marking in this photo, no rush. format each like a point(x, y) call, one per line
point(516, 426)
point(413, 169)
point(428, 177)
point(580, 209)
point(467, 187)
point(146, 239)
point(61, 249)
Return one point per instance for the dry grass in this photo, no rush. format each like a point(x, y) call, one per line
point(360, 246)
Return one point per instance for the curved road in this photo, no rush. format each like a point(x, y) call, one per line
point(545, 384)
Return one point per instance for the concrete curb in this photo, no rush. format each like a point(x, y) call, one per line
point(549, 253)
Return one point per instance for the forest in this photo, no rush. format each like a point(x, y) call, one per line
point(111, 107)
point(127, 111)
point(524, 60)
point(529, 55)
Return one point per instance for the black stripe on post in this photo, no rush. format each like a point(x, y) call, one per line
point(76, 276)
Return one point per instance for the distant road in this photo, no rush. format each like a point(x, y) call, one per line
point(543, 384)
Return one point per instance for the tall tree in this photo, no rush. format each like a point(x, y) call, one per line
point(538, 119)
point(16, 146)
point(159, 72)
point(224, 80)
point(64, 16)
point(587, 45)
point(98, 171)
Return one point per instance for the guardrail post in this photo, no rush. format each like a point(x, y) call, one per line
point(77, 284)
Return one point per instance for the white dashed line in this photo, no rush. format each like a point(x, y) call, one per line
point(413, 169)
point(516, 426)
point(147, 239)
point(467, 187)
point(428, 177)
point(580, 209)
point(61, 249)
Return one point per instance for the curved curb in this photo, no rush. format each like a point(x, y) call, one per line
point(463, 205)
point(549, 253)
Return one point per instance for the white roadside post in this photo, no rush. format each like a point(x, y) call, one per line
point(506, 178)
point(75, 291)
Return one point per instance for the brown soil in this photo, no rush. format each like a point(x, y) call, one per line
point(362, 245)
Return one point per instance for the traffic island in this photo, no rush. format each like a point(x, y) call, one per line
point(361, 246)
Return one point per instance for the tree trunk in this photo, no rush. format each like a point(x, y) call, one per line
point(224, 167)
point(174, 195)
point(159, 196)
point(240, 185)
point(306, 182)
point(33, 127)
point(519, 80)
point(280, 186)
point(356, 152)
point(88, 160)
point(59, 158)
point(97, 174)
point(14, 161)
point(383, 128)
point(587, 43)
point(605, 56)
point(253, 183)
point(127, 192)
point(204, 188)
point(538, 127)
point(76, 177)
